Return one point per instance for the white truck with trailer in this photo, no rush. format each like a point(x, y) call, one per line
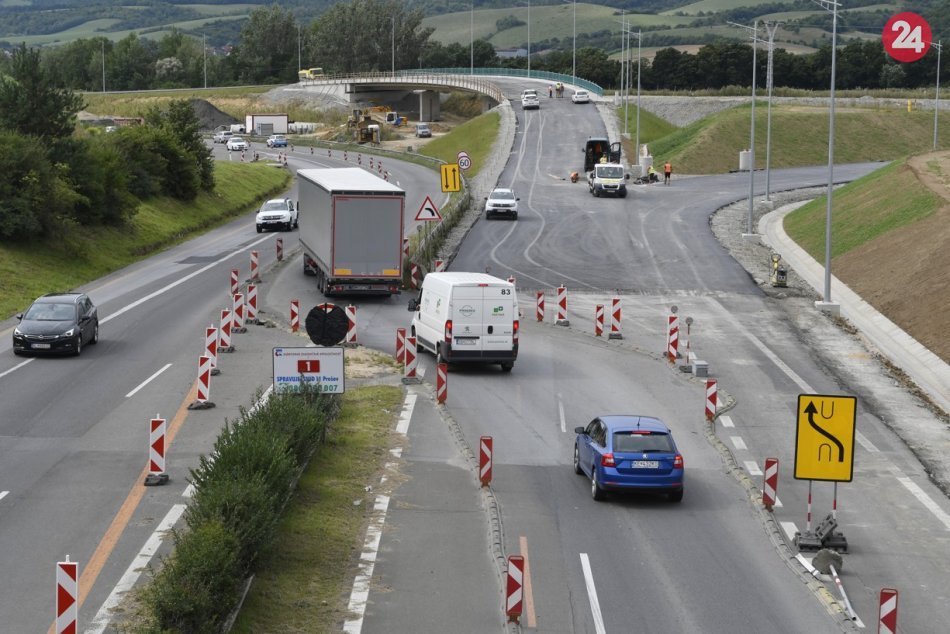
point(467, 318)
point(351, 230)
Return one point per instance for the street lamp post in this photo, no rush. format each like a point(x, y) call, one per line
point(771, 29)
point(204, 51)
point(394, 46)
point(755, 32)
point(471, 31)
point(937, 97)
point(573, 43)
point(826, 304)
point(529, 38)
point(637, 146)
point(103, 46)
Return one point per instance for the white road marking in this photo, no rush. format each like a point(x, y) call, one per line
point(359, 596)
point(806, 561)
point(864, 442)
point(778, 503)
point(592, 595)
point(925, 499)
point(134, 571)
point(147, 381)
point(560, 412)
point(726, 421)
point(752, 468)
point(15, 368)
point(799, 381)
point(790, 530)
point(738, 443)
point(189, 491)
point(3, 494)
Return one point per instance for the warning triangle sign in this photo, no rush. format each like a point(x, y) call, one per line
point(428, 211)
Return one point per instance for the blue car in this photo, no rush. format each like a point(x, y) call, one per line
point(629, 453)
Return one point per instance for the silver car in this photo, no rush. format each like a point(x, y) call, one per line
point(237, 144)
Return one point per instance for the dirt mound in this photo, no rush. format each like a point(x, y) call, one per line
point(210, 117)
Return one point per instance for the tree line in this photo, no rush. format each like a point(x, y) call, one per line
point(54, 177)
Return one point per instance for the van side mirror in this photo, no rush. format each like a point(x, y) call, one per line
point(413, 305)
point(580, 430)
point(626, 177)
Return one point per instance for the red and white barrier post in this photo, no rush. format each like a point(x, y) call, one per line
point(280, 249)
point(598, 320)
point(414, 275)
point(770, 483)
point(211, 348)
point(511, 279)
point(405, 248)
point(350, 311)
point(887, 613)
point(441, 383)
point(255, 270)
point(235, 273)
point(615, 332)
point(400, 345)
point(67, 597)
point(224, 333)
point(514, 593)
point(237, 314)
point(539, 311)
point(485, 460)
point(672, 335)
point(712, 398)
point(251, 306)
point(562, 307)
point(204, 384)
point(439, 266)
point(156, 453)
point(294, 315)
point(410, 362)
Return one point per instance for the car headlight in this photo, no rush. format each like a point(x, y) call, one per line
point(70, 332)
point(17, 333)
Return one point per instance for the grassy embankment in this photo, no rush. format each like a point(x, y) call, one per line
point(29, 269)
point(799, 137)
point(475, 137)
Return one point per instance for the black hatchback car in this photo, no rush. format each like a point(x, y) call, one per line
point(57, 322)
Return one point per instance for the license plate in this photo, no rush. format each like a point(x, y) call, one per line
point(40, 346)
point(359, 287)
point(465, 342)
point(645, 464)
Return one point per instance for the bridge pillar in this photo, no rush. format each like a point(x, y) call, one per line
point(430, 108)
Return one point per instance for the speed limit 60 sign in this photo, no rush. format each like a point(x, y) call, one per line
point(907, 37)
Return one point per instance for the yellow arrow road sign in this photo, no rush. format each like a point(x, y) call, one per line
point(451, 181)
point(824, 438)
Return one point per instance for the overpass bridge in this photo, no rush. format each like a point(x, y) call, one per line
point(401, 89)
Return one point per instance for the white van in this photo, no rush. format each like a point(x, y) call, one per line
point(467, 318)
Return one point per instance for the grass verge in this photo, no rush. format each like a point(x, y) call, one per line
point(885, 200)
point(475, 137)
point(302, 577)
point(28, 270)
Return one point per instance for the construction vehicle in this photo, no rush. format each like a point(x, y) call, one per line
point(351, 230)
point(310, 73)
point(597, 148)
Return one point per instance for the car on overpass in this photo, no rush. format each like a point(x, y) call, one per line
point(580, 96)
point(629, 453)
point(529, 99)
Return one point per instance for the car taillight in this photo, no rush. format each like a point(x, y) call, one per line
point(607, 460)
point(448, 331)
point(515, 329)
point(678, 462)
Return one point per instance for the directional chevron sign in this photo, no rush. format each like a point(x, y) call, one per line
point(824, 438)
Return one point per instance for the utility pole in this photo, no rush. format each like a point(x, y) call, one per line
point(204, 54)
point(771, 29)
point(937, 98)
point(394, 45)
point(103, 43)
point(529, 38)
point(471, 30)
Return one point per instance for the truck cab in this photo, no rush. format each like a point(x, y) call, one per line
point(608, 179)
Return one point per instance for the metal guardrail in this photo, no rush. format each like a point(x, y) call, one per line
point(466, 78)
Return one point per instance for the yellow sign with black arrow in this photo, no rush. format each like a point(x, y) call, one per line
point(824, 438)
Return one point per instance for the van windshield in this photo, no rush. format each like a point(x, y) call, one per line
point(610, 171)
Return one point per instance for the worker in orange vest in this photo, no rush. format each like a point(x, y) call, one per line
point(667, 172)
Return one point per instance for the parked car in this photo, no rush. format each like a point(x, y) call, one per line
point(502, 202)
point(529, 99)
point(277, 140)
point(237, 144)
point(580, 96)
point(633, 453)
point(423, 130)
point(221, 136)
point(57, 322)
point(277, 213)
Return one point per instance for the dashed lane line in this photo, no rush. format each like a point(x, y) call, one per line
point(147, 381)
point(592, 595)
point(726, 421)
point(738, 443)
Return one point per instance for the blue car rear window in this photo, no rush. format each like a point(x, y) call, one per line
point(626, 442)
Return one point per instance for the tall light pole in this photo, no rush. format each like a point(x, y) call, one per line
point(755, 32)
point(394, 45)
point(937, 98)
point(103, 43)
point(204, 52)
point(771, 29)
point(639, 42)
point(574, 50)
point(471, 31)
point(299, 58)
point(529, 38)
point(826, 303)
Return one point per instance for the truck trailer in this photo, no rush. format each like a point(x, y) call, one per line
point(351, 230)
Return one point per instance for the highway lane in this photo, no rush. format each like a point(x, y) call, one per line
point(72, 434)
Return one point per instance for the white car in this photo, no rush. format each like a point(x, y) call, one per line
point(279, 213)
point(501, 202)
point(580, 96)
point(237, 144)
point(529, 99)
